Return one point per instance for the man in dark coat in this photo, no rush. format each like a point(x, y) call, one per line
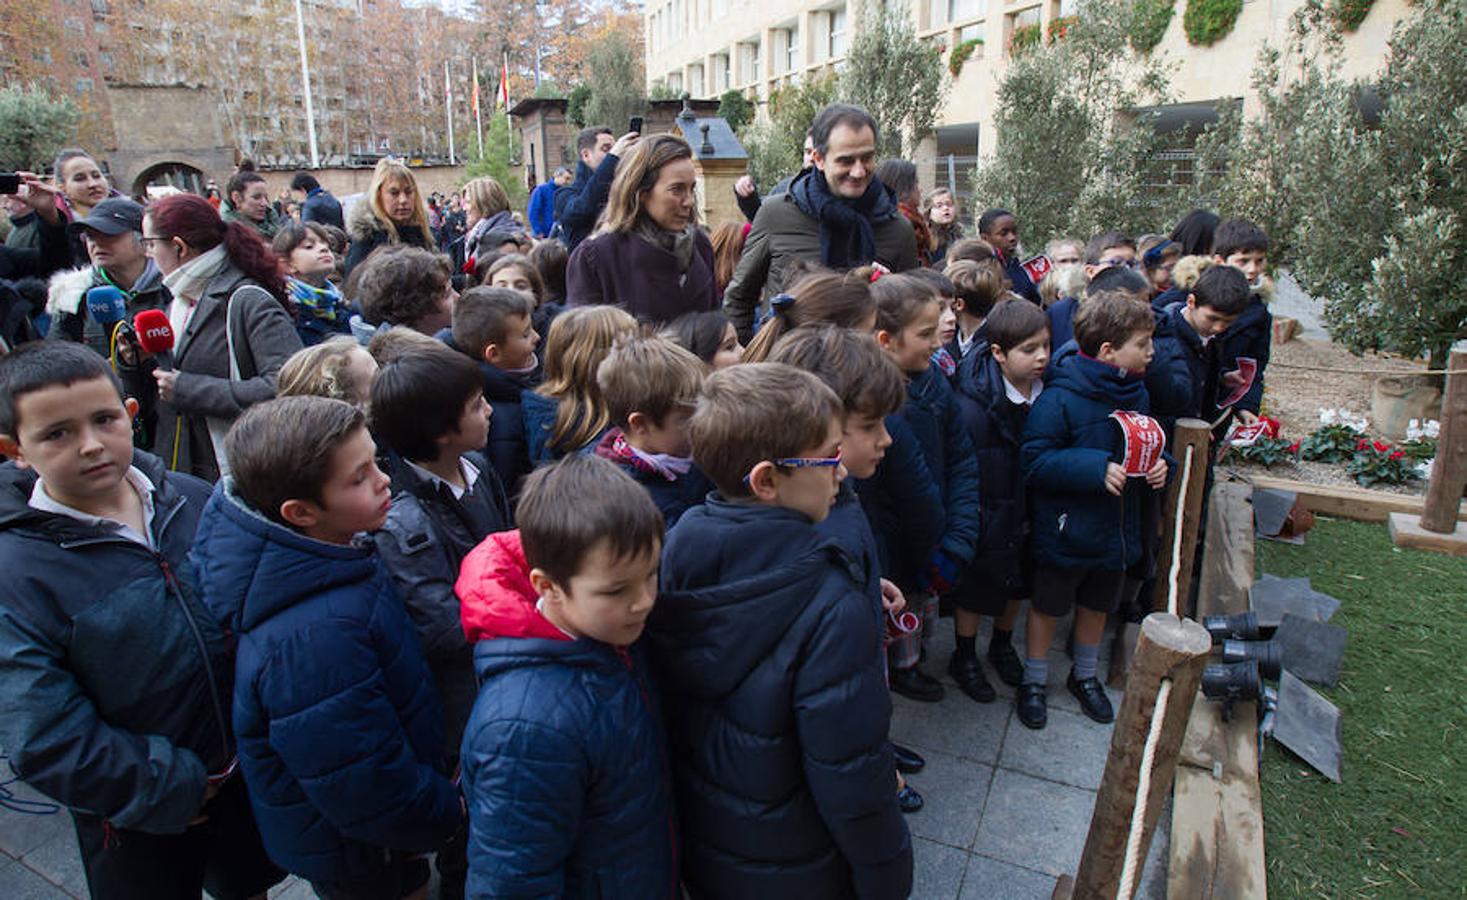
point(319, 205)
point(838, 215)
point(578, 205)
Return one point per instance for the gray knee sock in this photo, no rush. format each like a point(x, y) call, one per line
point(1036, 671)
point(1085, 660)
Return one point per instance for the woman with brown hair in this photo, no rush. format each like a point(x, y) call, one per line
point(648, 255)
point(728, 246)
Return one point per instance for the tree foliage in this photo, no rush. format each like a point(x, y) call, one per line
point(895, 76)
point(497, 161)
point(1373, 217)
point(736, 109)
point(1209, 21)
point(1149, 20)
point(774, 146)
point(1069, 159)
point(615, 75)
point(33, 126)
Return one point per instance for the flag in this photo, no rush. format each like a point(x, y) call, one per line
point(503, 97)
point(475, 98)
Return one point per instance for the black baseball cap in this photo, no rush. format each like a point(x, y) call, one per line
point(114, 215)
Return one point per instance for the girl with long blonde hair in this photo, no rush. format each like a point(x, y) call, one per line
point(566, 412)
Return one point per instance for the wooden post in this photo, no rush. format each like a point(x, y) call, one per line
point(1172, 649)
point(1438, 528)
point(1197, 435)
point(1449, 472)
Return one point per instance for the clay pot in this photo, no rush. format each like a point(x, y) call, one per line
point(1397, 399)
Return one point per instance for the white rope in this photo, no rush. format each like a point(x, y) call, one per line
point(1132, 867)
point(1173, 602)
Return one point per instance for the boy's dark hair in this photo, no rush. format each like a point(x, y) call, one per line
point(481, 317)
point(1119, 278)
point(1111, 317)
point(979, 284)
point(940, 283)
point(1224, 289)
point(1238, 236)
point(649, 375)
point(990, 217)
point(42, 364)
point(292, 234)
point(567, 508)
point(304, 182)
point(281, 450)
point(700, 333)
point(754, 412)
point(853, 117)
point(550, 259)
point(1012, 322)
point(399, 284)
point(419, 397)
point(586, 137)
point(852, 364)
point(1095, 248)
point(1195, 232)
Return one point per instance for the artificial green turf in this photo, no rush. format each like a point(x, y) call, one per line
point(1397, 826)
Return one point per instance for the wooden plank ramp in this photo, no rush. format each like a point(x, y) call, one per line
point(1217, 804)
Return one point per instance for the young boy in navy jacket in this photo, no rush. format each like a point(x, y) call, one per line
point(1086, 513)
point(871, 388)
point(1185, 378)
point(977, 286)
point(565, 771)
point(906, 320)
point(340, 731)
point(650, 386)
point(996, 388)
point(1244, 246)
point(767, 643)
point(492, 326)
point(114, 676)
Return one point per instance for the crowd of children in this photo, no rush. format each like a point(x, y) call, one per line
point(573, 607)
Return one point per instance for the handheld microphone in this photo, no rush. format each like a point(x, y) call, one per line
point(155, 336)
point(106, 306)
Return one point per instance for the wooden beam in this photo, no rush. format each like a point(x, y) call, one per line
point(1346, 502)
point(1407, 531)
point(1196, 435)
point(1217, 804)
point(1449, 471)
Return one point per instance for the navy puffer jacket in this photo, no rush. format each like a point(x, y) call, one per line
point(564, 765)
point(994, 425)
point(932, 411)
point(1182, 379)
point(340, 735)
point(903, 504)
point(507, 450)
point(1251, 335)
point(777, 711)
point(1068, 441)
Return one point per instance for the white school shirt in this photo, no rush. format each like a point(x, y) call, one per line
point(141, 485)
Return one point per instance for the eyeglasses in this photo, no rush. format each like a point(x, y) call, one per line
point(803, 462)
point(149, 241)
point(1119, 263)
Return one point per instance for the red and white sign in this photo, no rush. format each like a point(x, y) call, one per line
point(1145, 441)
point(1241, 435)
point(1038, 267)
point(1240, 380)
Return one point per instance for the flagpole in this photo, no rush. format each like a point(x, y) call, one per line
point(478, 118)
point(504, 89)
point(448, 108)
point(300, 37)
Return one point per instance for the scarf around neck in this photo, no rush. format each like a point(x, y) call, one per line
point(847, 232)
point(678, 243)
point(188, 282)
point(319, 302)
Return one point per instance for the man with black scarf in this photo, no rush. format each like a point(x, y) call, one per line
point(836, 215)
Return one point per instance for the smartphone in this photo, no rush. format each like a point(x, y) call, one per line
point(635, 124)
point(10, 182)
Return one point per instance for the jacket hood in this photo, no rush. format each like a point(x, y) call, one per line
point(362, 224)
point(65, 291)
point(1171, 324)
point(744, 574)
point(1089, 377)
point(250, 568)
point(16, 485)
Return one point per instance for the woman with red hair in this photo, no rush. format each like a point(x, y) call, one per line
point(232, 329)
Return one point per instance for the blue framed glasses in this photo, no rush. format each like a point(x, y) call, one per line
point(803, 462)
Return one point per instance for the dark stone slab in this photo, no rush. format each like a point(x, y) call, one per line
point(1312, 650)
point(1272, 597)
point(1309, 726)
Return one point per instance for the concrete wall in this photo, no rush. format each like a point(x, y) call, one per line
point(165, 125)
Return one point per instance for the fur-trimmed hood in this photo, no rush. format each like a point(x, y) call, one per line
point(363, 225)
point(66, 288)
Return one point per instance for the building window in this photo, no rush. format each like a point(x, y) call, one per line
point(99, 7)
point(960, 10)
point(84, 85)
point(837, 45)
point(722, 74)
point(791, 49)
point(696, 83)
point(675, 82)
point(971, 32)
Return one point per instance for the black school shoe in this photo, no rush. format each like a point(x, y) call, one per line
point(968, 673)
point(1006, 663)
point(1092, 698)
point(907, 759)
point(915, 684)
point(908, 799)
point(1031, 704)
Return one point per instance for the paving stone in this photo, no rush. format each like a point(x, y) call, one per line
point(955, 790)
point(954, 725)
point(19, 883)
point(991, 879)
point(937, 870)
point(22, 832)
point(59, 861)
point(1059, 671)
point(1071, 749)
point(1033, 823)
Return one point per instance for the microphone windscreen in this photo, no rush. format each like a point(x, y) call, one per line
point(106, 305)
point(155, 334)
